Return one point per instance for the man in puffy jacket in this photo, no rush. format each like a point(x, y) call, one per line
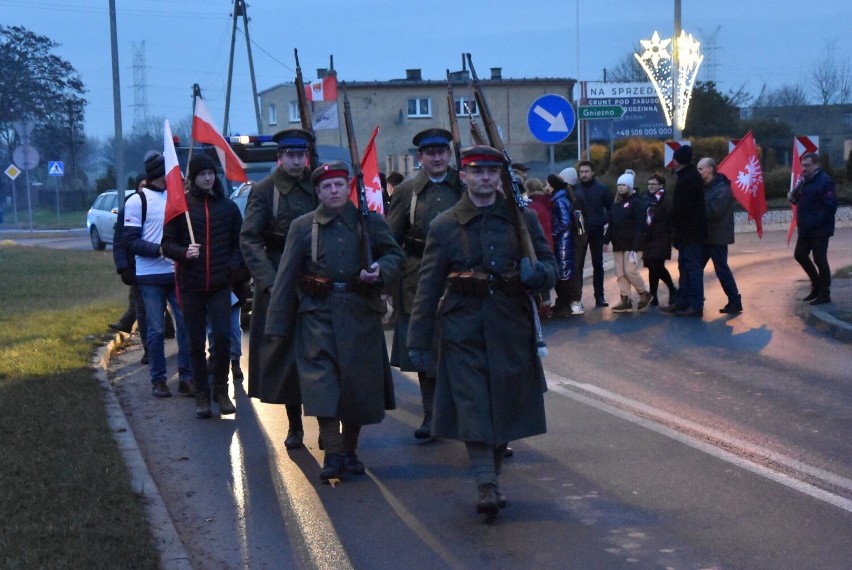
point(815, 198)
point(597, 200)
point(206, 267)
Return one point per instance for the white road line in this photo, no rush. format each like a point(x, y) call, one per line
point(316, 532)
point(637, 412)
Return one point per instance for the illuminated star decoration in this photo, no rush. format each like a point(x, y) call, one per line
point(749, 178)
point(656, 61)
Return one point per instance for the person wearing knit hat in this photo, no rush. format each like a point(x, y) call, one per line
point(569, 175)
point(324, 301)
point(155, 166)
point(626, 231)
point(272, 205)
point(155, 275)
point(689, 225)
point(205, 244)
point(416, 202)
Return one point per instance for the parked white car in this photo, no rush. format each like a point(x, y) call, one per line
point(101, 218)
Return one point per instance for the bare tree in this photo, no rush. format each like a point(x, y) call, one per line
point(831, 81)
point(784, 96)
point(628, 70)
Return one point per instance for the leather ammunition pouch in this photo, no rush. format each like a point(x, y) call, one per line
point(317, 286)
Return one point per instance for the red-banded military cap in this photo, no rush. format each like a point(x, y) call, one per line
point(336, 169)
point(481, 155)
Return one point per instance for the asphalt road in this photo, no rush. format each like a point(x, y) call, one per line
point(672, 443)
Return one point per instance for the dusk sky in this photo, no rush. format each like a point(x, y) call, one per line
point(757, 42)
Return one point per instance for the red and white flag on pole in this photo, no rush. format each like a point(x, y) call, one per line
point(742, 167)
point(801, 145)
point(175, 197)
point(795, 177)
point(323, 90)
point(203, 131)
point(372, 182)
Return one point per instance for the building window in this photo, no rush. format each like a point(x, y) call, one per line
point(294, 112)
point(847, 120)
point(273, 115)
point(419, 107)
point(465, 104)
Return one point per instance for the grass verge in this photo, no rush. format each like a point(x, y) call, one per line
point(64, 489)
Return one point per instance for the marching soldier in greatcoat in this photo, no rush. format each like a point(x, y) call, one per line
point(272, 206)
point(327, 300)
point(474, 310)
point(416, 202)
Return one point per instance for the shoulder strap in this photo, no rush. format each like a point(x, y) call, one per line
point(144, 200)
point(412, 207)
point(276, 197)
point(314, 241)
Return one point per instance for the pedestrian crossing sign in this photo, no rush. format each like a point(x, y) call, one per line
point(55, 168)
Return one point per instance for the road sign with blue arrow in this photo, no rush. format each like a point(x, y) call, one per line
point(551, 118)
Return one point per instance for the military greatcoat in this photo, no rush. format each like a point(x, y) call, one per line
point(272, 371)
point(431, 199)
point(490, 382)
point(340, 343)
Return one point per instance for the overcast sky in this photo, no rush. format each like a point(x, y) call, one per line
point(188, 42)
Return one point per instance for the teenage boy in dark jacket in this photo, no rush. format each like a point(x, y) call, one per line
point(206, 268)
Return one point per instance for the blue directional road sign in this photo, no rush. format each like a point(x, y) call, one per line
point(551, 118)
point(55, 168)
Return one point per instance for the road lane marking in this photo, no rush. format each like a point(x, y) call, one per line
point(298, 498)
point(680, 430)
point(417, 527)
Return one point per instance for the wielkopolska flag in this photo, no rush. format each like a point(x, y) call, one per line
point(204, 131)
point(372, 182)
point(742, 167)
point(323, 90)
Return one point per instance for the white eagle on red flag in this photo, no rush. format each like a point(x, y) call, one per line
point(742, 167)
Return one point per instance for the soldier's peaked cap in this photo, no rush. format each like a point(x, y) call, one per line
point(432, 137)
point(294, 139)
point(481, 155)
point(336, 169)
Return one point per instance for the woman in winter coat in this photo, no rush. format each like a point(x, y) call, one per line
point(627, 233)
point(541, 204)
point(658, 238)
point(562, 215)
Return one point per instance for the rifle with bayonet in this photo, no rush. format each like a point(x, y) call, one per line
point(510, 184)
point(454, 124)
point(305, 114)
point(358, 175)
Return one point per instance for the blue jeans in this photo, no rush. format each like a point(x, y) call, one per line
point(690, 264)
point(155, 298)
point(719, 255)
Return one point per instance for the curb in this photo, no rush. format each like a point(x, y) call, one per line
point(826, 323)
point(173, 554)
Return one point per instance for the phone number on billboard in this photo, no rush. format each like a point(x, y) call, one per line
point(644, 132)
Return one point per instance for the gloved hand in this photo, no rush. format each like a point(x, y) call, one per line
point(128, 277)
point(421, 359)
point(533, 276)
